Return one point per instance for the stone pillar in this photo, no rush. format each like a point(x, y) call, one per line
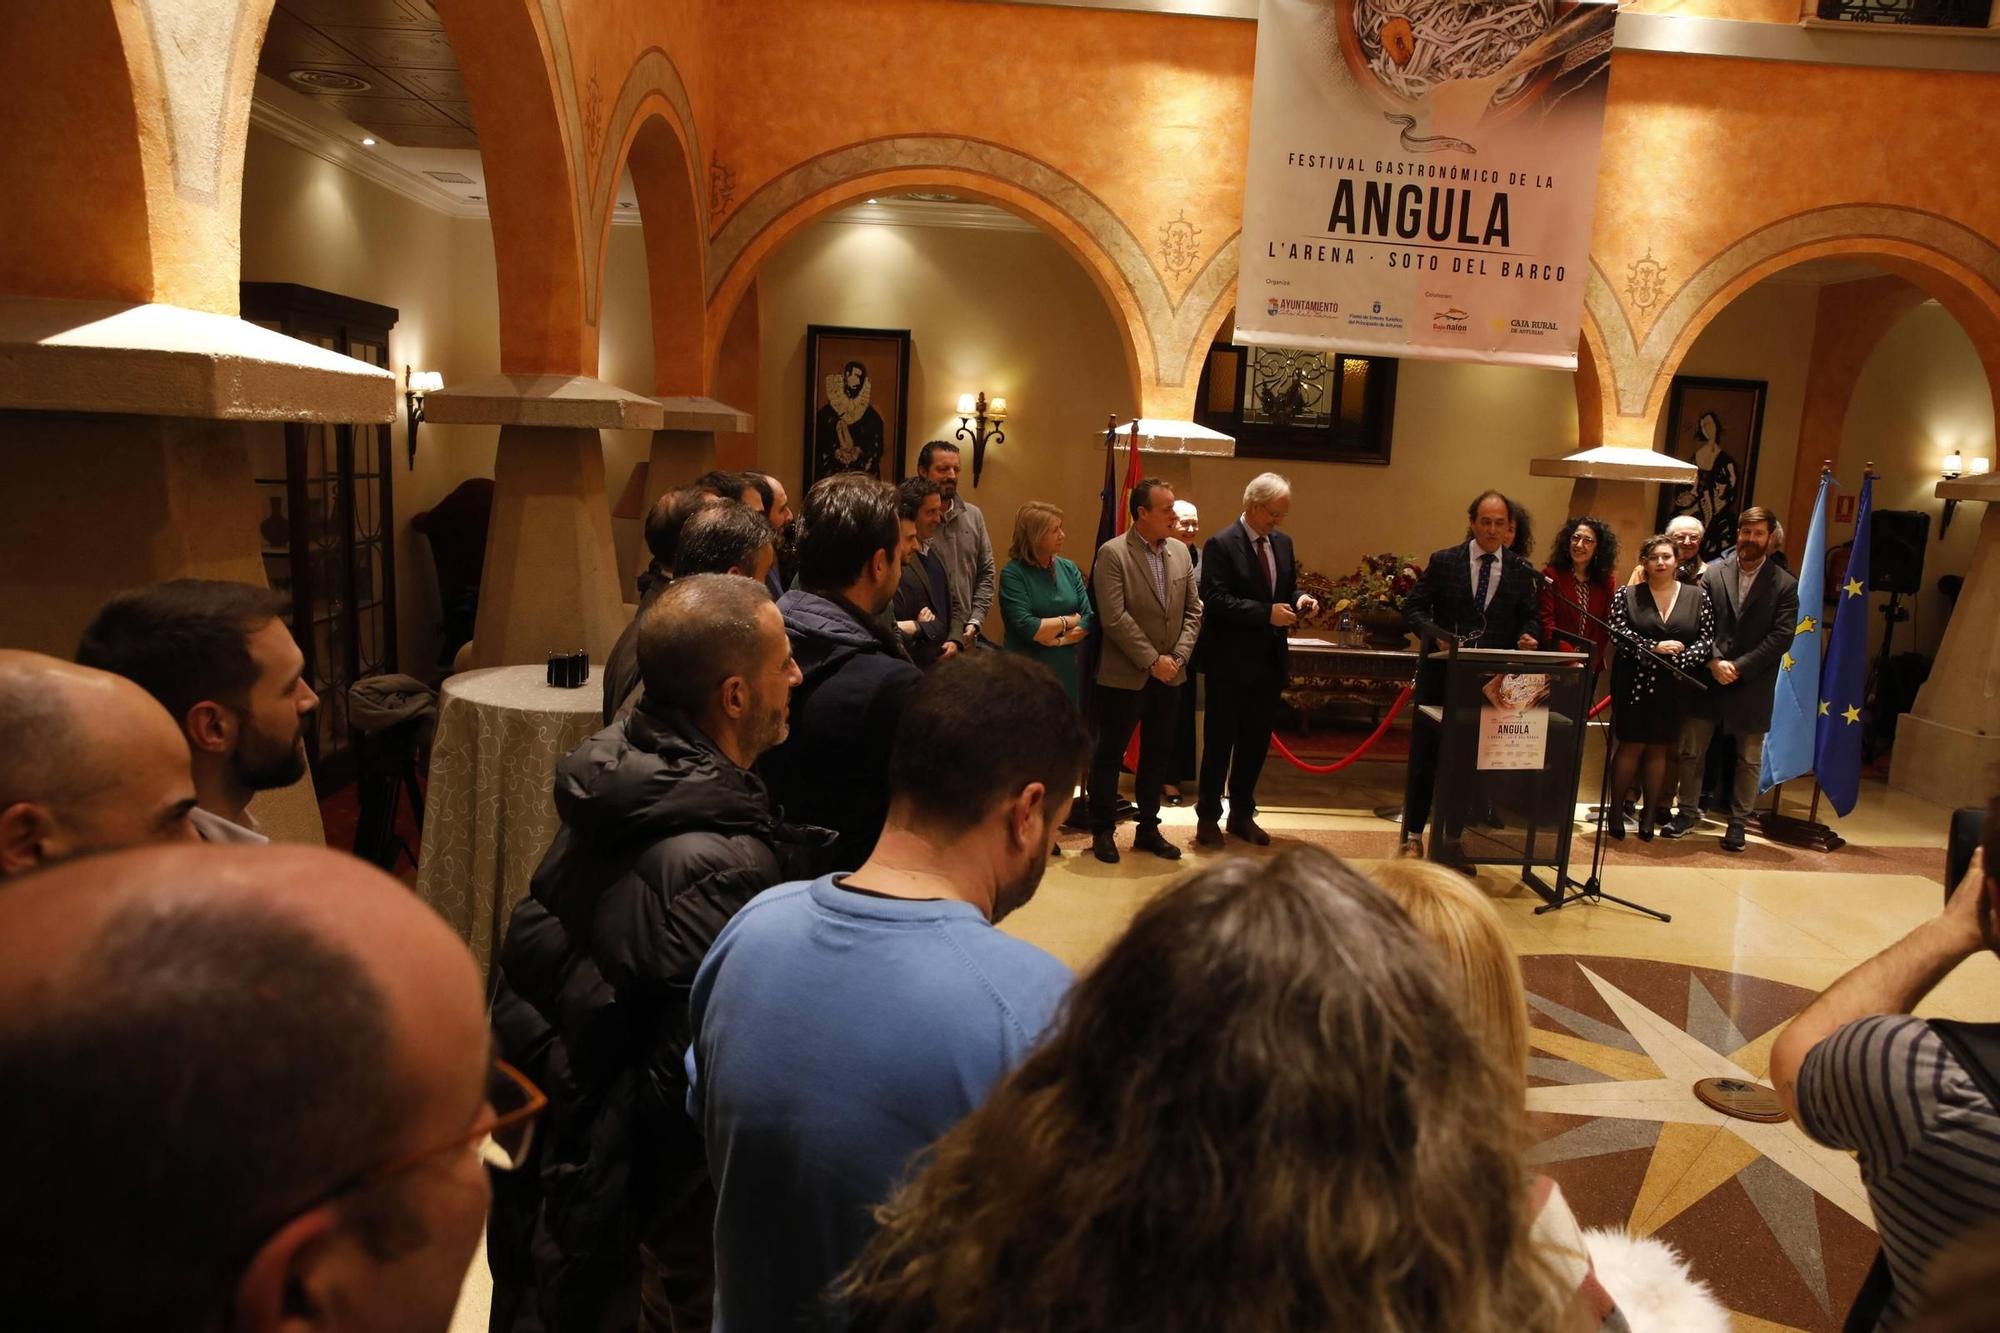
point(684, 447)
point(550, 582)
point(121, 438)
point(1610, 483)
point(1948, 746)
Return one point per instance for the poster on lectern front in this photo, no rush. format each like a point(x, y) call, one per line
point(1423, 177)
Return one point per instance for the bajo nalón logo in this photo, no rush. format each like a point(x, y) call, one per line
point(1449, 321)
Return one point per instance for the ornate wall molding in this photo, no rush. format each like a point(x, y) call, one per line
point(1170, 324)
point(1634, 365)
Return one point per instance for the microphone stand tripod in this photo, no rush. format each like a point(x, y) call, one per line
point(1591, 890)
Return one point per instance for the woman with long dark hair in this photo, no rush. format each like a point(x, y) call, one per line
point(1663, 620)
point(1261, 1110)
point(1582, 574)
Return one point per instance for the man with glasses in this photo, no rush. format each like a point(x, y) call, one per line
point(1483, 595)
point(246, 1088)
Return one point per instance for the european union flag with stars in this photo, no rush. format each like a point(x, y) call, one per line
point(1840, 725)
point(1788, 746)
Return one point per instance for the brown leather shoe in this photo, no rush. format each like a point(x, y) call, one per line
point(1246, 828)
point(1208, 833)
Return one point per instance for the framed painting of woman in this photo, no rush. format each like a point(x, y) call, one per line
point(1714, 424)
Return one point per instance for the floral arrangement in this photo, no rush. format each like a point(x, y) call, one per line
point(1379, 582)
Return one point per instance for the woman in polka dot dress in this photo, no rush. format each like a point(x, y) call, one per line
point(1659, 619)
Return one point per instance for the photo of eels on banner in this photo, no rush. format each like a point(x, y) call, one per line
point(1423, 176)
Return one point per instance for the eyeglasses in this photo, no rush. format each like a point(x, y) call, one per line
point(504, 1137)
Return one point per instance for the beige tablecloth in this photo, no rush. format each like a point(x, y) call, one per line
point(489, 815)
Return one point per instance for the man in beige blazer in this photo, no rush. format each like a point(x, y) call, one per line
point(1150, 611)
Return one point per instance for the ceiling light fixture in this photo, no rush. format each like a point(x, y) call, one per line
point(367, 142)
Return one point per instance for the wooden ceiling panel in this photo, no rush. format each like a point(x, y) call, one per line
point(363, 13)
point(437, 85)
point(390, 47)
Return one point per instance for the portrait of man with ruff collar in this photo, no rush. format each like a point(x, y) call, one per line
point(856, 384)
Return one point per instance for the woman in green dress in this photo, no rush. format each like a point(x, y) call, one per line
point(1043, 599)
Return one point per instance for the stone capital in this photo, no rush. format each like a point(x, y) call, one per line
point(165, 361)
point(562, 401)
point(705, 414)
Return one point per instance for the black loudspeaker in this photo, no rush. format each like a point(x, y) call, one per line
point(1897, 538)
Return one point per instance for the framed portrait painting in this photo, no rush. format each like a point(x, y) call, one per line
point(857, 401)
point(1714, 424)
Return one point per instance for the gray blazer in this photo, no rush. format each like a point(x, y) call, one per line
point(1138, 630)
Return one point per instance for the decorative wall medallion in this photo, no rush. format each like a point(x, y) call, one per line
point(1645, 280)
point(1177, 248)
point(721, 186)
point(593, 120)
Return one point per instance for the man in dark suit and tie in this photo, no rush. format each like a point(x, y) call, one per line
point(1250, 595)
point(1756, 614)
point(1484, 596)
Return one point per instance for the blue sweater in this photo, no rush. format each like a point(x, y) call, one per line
point(836, 1035)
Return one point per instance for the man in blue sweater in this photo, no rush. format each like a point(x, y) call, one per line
point(841, 1025)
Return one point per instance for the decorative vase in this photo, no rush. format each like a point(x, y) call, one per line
point(1384, 626)
point(276, 532)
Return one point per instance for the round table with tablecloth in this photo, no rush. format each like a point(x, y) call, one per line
point(490, 813)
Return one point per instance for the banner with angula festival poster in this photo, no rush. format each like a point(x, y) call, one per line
point(1422, 176)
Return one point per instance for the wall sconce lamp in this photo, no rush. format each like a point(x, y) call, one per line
point(979, 421)
point(417, 383)
point(1957, 465)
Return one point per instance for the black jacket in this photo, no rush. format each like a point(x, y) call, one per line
point(1444, 596)
point(1238, 640)
point(621, 667)
point(1755, 635)
point(924, 586)
point(663, 838)
point(833, 771)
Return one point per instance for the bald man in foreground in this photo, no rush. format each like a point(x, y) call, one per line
point(89, 762)
point(244, 1088)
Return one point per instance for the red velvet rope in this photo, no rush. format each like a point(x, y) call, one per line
point(1359, 750)
point(1285, 752)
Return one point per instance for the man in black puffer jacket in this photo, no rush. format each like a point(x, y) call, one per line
point(666, 832)
point(834, 771)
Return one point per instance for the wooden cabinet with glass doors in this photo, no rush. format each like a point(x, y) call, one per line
point(325, 494)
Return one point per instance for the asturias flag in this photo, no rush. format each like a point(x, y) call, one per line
point(1840, 726)
point(1788, 745)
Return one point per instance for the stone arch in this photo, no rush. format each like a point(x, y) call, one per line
point(652, 131)
point(150, 106)
point(1944, 258)
point(1159, 328)
point(523, 104)
point(76, 242)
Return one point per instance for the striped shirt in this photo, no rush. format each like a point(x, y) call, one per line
point(1890, 1091)
point(1156, 565)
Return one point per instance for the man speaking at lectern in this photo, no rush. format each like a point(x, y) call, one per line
point(1484, 596)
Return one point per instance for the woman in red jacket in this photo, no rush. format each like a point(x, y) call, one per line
point(1582, 573)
